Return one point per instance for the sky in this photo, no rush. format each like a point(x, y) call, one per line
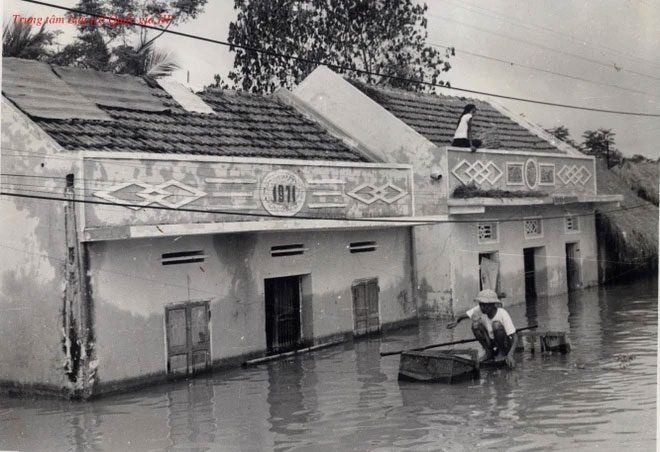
point(612, 45)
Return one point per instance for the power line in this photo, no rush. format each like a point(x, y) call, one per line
point(349, 69)
point(532, 26)
point(547, 71)
point(100, 184)
point(540, 46)
point(297, 217)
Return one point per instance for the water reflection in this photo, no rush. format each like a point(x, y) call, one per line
point(602, 395)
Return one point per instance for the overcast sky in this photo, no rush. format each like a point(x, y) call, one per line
point(614, 44)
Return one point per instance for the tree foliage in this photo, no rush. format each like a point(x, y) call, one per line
point(600, 143)
point(380, 36)
point(562, 133)
point(123, 46)
point(20, 40)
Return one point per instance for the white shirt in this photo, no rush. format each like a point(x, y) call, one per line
point(500, 316)
point(462, 129)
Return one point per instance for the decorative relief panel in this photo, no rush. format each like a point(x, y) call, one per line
point(478, 172)
point(547, 174)
point(518, 171)
point(326, 194)
point(235, 193)
point(369, 193)
point(229, 188)
point(574, 174)
point(514, 173)
point(531, 173)
point(172, 194)
point(282, 193)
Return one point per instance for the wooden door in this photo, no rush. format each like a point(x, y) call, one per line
point(572, 266)
point(365, 307)
point(283, 330)
point(188, 338)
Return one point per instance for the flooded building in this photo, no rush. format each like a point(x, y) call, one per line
point(516, 216)
point(149, 232)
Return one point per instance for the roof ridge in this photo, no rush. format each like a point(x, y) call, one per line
point(408, 93)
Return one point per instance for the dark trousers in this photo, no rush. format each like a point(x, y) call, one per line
point(465, 143)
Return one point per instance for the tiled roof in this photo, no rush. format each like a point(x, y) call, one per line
point(435, 117)
point(39, 92)
point(243, 125)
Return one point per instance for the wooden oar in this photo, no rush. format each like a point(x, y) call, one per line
point(463, 341)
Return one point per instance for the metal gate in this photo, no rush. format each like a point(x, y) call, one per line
point(282, 313)
point(365, 307)
point(188, 338)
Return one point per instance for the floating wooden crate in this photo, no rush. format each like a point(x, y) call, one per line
point(544, 342)
point(443, 366)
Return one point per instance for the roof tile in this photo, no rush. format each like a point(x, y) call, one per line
point(435, 117)
point(243, 124)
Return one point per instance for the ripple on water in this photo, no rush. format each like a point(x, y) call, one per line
point(348, 397)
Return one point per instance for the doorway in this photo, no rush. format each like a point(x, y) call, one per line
point(530, 274)
point(573, 266)
point(489, 271)
point(365, 307)
point(188, 338)
point(283, 332)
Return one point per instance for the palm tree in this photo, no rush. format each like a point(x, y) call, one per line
point(145, 60)
point(18, 40)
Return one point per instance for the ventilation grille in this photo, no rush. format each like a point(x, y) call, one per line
point(572, 224)
point(183, 257)
point(533, 227)
point(362, 247)
point(287, 250)
point(487, 232)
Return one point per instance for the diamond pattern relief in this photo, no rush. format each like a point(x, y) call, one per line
point(574, 174)
point(368, 193)
point(152, 194)
point(478, 172)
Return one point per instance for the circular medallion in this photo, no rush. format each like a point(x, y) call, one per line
point(531, 173)
point(282, 193)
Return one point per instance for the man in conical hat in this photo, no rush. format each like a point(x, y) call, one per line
point(492, 327)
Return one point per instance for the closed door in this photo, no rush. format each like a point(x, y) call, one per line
point(282, 313)
point(188, 339)
point(365, 307)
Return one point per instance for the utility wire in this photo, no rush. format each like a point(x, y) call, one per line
point(297, 217)
point(350, 69)
point(534, 27)
point(540, 46)
point(547, 71)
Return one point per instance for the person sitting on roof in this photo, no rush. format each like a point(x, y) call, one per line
point(492, 327)
point(463, 135)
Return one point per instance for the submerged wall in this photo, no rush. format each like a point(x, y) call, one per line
point(457, 249)
point(33, 249)
point(131, 288)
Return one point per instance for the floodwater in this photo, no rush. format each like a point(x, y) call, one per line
point(602, 396)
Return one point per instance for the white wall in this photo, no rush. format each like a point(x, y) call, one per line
point(464, 250)
point(388, 138)
point(33, 250)
point(130, 289)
